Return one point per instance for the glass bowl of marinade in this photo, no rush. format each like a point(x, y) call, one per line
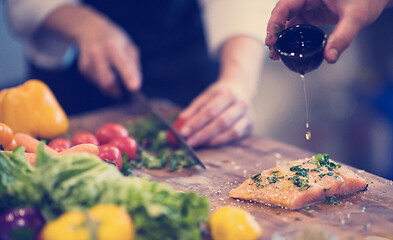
point(301, 47)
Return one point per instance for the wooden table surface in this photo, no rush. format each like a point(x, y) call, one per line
point(364, 215)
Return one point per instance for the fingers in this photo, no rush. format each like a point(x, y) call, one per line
point(242, 128)
point(127, 65)
point(341, 37)
point(197, 104)
point(205, 110)
point(107, 56)
point(95, 66)
point(219, 125)
point(284, 10)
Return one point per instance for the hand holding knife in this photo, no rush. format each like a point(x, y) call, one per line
point(138, 96)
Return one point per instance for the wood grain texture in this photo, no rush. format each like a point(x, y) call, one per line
point(364, 215)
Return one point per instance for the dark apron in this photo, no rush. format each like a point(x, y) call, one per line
point(174, 57)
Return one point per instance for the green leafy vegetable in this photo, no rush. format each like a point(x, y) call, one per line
point(255, 176)
point(322, 160)
point(324, 174)
point(62, 183)
point(16, 186)
point(302, 183)
point(180, 159)
point(144, 128)
point(299, 170)
point(152, 162)
point(126, 169)
point(272, 179)
point(332, 201)
point(155, 152)
point(159, 142)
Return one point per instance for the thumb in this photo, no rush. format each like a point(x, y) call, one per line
point(341, 37)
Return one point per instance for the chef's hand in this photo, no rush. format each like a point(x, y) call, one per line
point(349, 15)
point(220, 114)
point(105, 50)
point(223, 113)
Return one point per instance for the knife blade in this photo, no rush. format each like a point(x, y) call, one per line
point(141, 98)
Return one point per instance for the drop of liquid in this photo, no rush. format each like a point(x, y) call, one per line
point(308, 132)
point(308, 135)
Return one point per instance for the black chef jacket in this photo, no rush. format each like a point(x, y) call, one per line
point(173, 54)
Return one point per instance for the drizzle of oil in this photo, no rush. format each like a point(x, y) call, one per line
point(308, 132)
point(308, 135)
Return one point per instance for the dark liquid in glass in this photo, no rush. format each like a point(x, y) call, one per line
point(301, 48)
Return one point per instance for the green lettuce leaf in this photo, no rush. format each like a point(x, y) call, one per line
point(16, 186)
point(83, 180)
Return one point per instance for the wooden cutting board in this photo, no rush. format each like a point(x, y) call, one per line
point(365, 215)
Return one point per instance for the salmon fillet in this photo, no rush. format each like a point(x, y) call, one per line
point(300, 183)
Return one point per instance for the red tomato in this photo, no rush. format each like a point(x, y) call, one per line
point(10, 146)
point(6, 135)
point(109, 131)
point(111, 154)
point(59, 144)
point(177, 124)
point(126, 145)
point(84, 137)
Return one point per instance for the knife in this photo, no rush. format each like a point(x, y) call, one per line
point(141, 98)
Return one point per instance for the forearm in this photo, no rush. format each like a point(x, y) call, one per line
point(241, 59)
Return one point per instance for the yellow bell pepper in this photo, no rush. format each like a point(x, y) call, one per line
point(233, 223)
point(33, 109)
point(101, 222)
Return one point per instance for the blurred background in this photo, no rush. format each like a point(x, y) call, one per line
point(350, 102)
point(12, 64)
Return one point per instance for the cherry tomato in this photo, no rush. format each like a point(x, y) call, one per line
point(126, 145)
point(84, 137)
point(109, 131)
point(111, 154)
point(10, 146)
point(6, 134)
point(171, 138)
point(59, 144)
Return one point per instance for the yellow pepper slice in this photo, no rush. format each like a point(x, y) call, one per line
point(101, 222)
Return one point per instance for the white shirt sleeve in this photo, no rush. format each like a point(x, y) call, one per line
point(44, 49)
point(224, 19)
